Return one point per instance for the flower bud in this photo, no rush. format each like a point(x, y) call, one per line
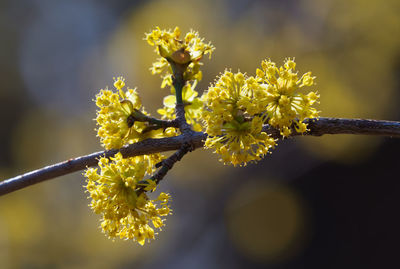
point(180, 56)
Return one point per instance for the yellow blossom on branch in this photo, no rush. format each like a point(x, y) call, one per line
point(285, 105)
point(193, 106)
point(183, 50)
point(118, 115)
point(234, 112)
point(126, 212)
point(232, 119)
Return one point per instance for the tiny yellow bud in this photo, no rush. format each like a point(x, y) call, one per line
point(119, 83)
point(260, 73)
point(290, 64)
point(164, 52)
point(285, 132)
point(308, 80)
point(301, 127)
point(177, 32)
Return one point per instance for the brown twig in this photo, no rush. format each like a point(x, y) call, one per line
point(196, 139)
point(179, 83)
point(180, 117)
point(168, 163)
point(321, 126)
point(154, 123)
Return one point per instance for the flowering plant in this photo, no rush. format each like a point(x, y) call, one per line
point(233, 112)
point(240, 116)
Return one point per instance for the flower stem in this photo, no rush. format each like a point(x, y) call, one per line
point(155, 123)
point(178, 81)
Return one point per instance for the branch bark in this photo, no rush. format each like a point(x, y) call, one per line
point(196, 139)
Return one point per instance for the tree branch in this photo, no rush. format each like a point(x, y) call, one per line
point(196, 139)
point(165, 165)
point(321, 126)
point(168, 163)
point(156, 123)
point(179, 83)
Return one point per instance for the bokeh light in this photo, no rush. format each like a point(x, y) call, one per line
point(266, 222)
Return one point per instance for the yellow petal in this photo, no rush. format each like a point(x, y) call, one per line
point(127, 106)
point(188, 94)
point(161, 111)
point(169, 101)
point(132, 96)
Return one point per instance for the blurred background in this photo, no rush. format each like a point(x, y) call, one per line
point(328, 202)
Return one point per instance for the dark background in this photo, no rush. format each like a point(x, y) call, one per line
point(316, 202)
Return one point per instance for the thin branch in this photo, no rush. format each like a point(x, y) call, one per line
point(154, 123)
point(180, 117)
point(354, 126)
point(160, 123)
point(147, 146)
point(165, 165)
point(322, 126)
point(179, 83)
point(196, 139)
point(168, 163)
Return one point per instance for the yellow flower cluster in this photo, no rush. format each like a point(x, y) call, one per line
point(118, 190)
point(126, 212)
point(234, 111)
point(237, 106)
point(234, 120)
point(118, 117)
point(193, 107)
point(186, 51)
point(284, 104)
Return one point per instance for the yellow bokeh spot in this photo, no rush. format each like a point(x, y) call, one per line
point(21, 221)
point(266, 222)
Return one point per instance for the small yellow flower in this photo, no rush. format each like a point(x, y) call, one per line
point(233, 119)
point(171, 47)
point(125, 212)
point(193, 106)
point(150, 185)
point(284, 104)
point(119, 83)
point(116, 117)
